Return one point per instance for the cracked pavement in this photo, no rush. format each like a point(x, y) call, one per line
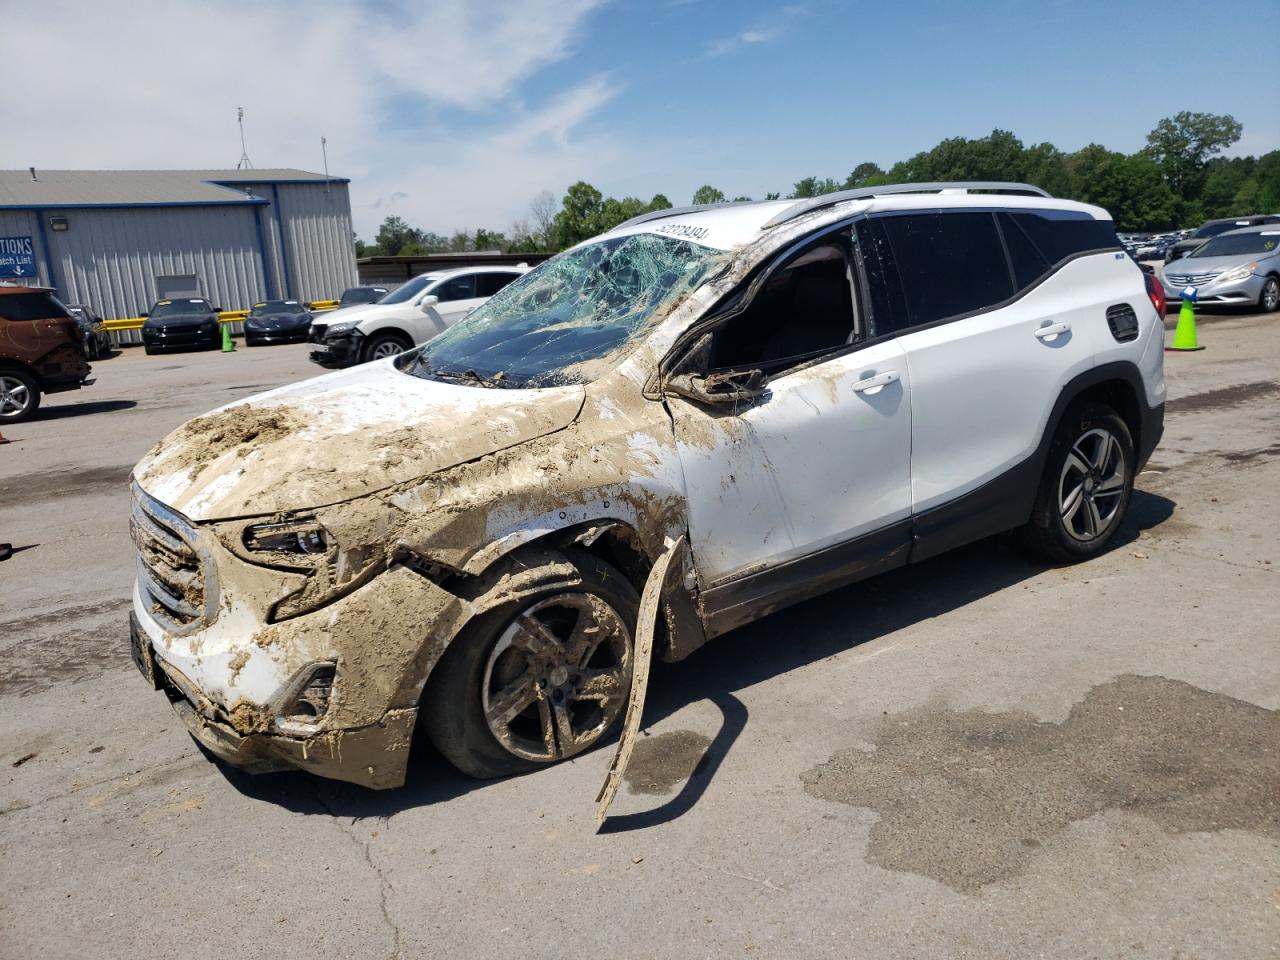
point(953, 760)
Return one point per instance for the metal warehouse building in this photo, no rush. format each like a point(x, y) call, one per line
point(118, 240)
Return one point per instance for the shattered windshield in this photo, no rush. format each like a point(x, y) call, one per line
point(568, 320)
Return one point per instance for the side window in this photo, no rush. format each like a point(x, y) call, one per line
point(804, 308)
point(462, 287)
point(1059, 234)
point(888, 311)
point(1028, 265)
point(487, 284)
point(948, 264)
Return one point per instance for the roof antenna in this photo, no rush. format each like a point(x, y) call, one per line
point(325, 152)
point(244, 163)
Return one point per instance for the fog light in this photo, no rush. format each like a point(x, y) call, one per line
point(310, 704)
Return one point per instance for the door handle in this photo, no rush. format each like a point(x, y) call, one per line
point(1051, 331)
point(873, 385)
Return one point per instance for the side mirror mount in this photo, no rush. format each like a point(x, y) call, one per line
point(733, 388)
point(427, 302)
point(144, 314)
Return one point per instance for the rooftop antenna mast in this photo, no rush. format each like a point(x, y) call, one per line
point(245, 163)
point(325, 153)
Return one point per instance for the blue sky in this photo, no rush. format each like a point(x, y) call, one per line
point(454, 113)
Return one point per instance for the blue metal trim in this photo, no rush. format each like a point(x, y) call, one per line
point(256, 201)
point(48, 253)
point(319, 181)
point(267, 285)
point(284, 241)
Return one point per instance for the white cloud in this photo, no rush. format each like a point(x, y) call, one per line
point(155, 84)
point(744, 38)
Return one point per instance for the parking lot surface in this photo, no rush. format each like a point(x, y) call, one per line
point(978, 756)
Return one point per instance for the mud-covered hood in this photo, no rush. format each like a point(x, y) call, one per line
point(340, 436)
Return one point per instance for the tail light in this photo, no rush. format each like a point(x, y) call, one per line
point(1156, 292)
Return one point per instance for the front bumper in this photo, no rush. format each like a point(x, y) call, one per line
point(295, 335)
point(179, 339)
point(342, 351)
point(235, 680)
point(1237, 293)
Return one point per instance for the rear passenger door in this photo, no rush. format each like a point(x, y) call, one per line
point(990, 328)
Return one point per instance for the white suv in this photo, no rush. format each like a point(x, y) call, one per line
point(410, 314)
point(731, 408)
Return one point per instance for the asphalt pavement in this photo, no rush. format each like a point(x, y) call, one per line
point(979, 756)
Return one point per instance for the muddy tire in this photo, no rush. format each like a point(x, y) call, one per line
point(19, 396)
point(538, 679)
point(1084, 493)
point(382, 345)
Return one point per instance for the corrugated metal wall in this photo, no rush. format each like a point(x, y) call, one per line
point(109, 258)
point(316, 218)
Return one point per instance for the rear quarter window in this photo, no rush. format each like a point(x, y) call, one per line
point(32, 306)
point(1059, 237)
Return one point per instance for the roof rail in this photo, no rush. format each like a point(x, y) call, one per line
point(866, 193)
point(677, 211)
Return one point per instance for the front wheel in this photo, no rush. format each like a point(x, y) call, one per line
point(1269, 299)
point(383, 345)
point(1084, 493)
point(19, 396)
point(539, 679)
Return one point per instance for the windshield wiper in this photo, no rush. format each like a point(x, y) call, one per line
point(470, 376)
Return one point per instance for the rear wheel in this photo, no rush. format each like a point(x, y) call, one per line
point(1269, 299)
point(19, 396)
point(383, 345)
point(1084, 493)
point(539, 679)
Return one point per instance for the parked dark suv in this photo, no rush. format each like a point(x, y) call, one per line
point(1211, 229)
point(41, 351)
point(180, 323)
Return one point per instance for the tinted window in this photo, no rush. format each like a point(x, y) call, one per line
point(1028, 265)
point(948, 264)
point(457, 288)
point(804, 309)
point(31, 306)
point(887, 310)
point(1061, 235)
point(487, 284)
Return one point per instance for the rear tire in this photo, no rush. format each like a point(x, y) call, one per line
point(552, 691)
point(1084, 493)
point(382, 345)
point(19, 396)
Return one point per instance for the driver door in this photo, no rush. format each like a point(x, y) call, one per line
point(810, 484)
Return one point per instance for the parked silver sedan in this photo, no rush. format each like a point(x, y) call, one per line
point(1240, 267)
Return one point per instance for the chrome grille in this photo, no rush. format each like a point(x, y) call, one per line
point(1181, 279)
point(175, 577)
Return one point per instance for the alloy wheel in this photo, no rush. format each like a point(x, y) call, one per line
point(1091, 485)
point(558, 677)
point(14, 396)
point(387, 348)
point(1271, 295)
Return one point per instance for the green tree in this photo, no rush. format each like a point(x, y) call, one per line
point(862, 175)
point(1129, 187)
point(707, 194)
point(660, 202)
point(395, 234)
point(813, 187)
point(580, 216)
point(1182, 144)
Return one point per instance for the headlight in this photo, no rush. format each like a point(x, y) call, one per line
point(1236, 273)
point(344, 326)
point(305, 546)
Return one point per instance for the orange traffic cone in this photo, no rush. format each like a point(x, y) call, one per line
point(2, 439)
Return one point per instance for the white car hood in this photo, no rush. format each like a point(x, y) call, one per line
point(337, 437)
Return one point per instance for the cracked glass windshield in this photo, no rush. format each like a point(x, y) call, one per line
point(569, 320)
